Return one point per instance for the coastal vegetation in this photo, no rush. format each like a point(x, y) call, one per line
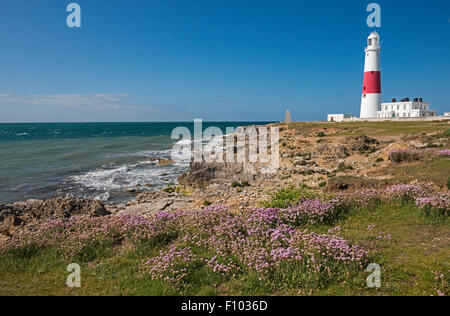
point(310, 245)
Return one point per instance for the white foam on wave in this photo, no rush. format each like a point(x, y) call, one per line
point(109, 180)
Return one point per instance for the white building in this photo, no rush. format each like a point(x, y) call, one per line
point(406, 108)
point(447, 114)
point(338, 117)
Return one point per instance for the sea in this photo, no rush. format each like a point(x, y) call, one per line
point(109, 162)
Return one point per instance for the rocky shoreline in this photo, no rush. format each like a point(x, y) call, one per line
point(314, 156)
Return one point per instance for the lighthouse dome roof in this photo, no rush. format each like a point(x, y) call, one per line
point(374, 35)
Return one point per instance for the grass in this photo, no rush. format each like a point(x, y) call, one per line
point(419, 245)
point(435, 169)
point(288, 196)
point(372, 129)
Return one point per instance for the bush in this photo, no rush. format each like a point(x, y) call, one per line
point(207, 203)
point(236, 184)
point(322, 184)
point(288, 197)
point(170, 189)
point(448, 183)
point(321, 134)
point(405, 155)
point(343, 167)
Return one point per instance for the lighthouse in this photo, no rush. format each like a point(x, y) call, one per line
point(371, 95)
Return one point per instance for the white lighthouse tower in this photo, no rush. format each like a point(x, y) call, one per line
point(371, 97)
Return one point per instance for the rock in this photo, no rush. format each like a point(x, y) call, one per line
point(363, 142)
point(34, 212)
point(321, 170)
point(158, 205)
point(199, 176)
point(9, 222)
point(161, 162)
point(417, 145)
point(331, 153)
point(303, 162)
point(165, 162)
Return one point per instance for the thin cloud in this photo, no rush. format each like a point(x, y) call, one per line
point(100, 101)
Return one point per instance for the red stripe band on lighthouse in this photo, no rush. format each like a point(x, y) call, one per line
point(372, 82)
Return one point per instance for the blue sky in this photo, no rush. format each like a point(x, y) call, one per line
point(213, 59)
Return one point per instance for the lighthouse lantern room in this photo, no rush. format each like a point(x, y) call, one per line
point(371, 95)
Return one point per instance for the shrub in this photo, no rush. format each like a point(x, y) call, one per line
point(207, 203)
point(322, 184)
point(321, 134)
point(343, 167)
point(379, 160)
point(405, 155)
point(236, 184)
point(288, 197)
point(448, 183)
point(171, 189)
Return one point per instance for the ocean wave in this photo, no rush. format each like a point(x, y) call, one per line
point(109, 181)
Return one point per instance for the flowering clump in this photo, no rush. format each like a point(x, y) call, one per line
point(408, 192)
point(263, 240)
point(312, 211)
point(436, 206)
point(361, 198)
point(405, 155)
point(444, 153)
point(172, 265)
point(80, 237)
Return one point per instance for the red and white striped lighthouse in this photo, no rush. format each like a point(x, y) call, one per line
point(371, 97)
